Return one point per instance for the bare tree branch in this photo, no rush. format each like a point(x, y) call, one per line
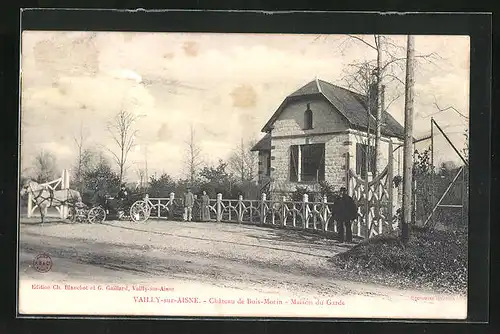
point(448, 108)
point(398, 59)
point(363, 41)
point(123, 134)
point(192, 155)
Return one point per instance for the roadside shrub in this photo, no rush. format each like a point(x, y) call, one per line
point(432, 259)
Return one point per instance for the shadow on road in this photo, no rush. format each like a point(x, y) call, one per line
point(303, 240)
point(119, 258)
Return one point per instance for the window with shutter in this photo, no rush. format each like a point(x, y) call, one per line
point(294, 162)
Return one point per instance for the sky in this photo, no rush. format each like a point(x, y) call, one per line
point(226, 86)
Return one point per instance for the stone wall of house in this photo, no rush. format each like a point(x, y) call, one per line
point(329, 127)
point(334, 161)
point(325, 118)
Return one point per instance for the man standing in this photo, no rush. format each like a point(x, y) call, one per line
point(188, 205)
point(122, 198)
point(123, 193)
point(345, 211)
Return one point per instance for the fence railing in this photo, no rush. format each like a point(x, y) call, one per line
point(315, 216)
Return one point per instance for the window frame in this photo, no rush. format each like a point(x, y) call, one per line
point(308, 118)
point(297, 163)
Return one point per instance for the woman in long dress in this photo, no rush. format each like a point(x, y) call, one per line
point(205, 211)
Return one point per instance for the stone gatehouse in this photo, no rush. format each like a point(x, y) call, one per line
point(317, 134)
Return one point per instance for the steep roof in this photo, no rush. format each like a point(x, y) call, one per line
point(351, 105)
point(264, 144)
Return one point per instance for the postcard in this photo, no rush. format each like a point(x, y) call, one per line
point(243, 175)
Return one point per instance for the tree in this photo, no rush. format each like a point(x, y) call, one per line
point(193, 159)
point(216, 179)
point(161, 186)
point(380, 79)
point(422, 171)
point(123, 134)
point(141, 173)
point(80, 160)
point(44, 166)
point(100, 178)
point(243, 162)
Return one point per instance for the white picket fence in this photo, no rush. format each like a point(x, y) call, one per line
point(315, 216)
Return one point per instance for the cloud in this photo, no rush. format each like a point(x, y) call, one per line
point(127, 75)
point(244, 96)
point(190, 48)
point(226, 85)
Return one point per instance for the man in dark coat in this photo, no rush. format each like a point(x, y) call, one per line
point(123, 193)
point(345, 211)
point(121, 200)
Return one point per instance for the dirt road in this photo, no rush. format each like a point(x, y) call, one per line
point(229, 256)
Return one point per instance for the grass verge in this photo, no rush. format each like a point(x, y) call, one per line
point(432, 260)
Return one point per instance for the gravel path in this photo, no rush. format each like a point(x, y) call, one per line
point(225, 255)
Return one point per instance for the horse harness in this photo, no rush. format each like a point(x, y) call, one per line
point(51, 194)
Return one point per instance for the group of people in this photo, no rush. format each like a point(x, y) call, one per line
point(344, 211)
point(189, 200)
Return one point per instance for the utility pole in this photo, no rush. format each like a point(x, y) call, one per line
point(378, 116)
point(408, 141)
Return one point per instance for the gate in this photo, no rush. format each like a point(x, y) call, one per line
point(57, 184)
point(374, 199)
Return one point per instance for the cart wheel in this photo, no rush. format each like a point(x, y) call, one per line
point(140, 211)
point(96, 215)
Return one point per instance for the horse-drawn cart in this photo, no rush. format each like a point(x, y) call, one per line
point(133, 208)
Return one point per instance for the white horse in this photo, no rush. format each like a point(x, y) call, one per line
point(45, 197)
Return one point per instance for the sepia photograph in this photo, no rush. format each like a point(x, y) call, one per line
point(243, 175)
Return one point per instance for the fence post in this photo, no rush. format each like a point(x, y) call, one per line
point(240, 208)
point(30, 204)
point(170, 206)
point(305, 199)
point(283, 211)
point(219, 207)
point(263, 209)
point(368, 219)
point(325, 215)
point(64, 186)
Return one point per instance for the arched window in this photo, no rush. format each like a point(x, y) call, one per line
point(308, 118)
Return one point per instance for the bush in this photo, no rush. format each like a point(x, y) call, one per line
point(434, 259)
point(298, 194)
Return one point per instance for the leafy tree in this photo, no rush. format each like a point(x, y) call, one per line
point(216, 179)
point(422, 170)
point(100, 180)
point(161, 186)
